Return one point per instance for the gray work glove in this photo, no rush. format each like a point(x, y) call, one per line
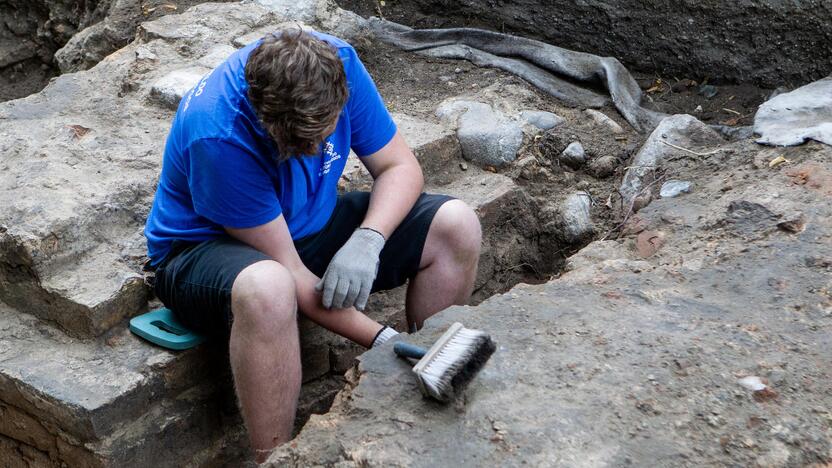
point(349, 277)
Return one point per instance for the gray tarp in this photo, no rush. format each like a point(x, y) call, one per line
point(541, 64)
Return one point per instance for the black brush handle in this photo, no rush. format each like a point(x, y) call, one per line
point(407, 350)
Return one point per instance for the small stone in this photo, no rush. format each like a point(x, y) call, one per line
point(777, 377)
point(602, 119)
point(451, 84)
point(752, 382)
point(574, 155)
point(674, 188)
point(604, 166)
point(577, 223)
point(463, 166)
point(457, 70)
point(525, 162)
point(709, 91)
point(541, 119)
point(714, 421)
point(699, 109)
point(445, 78)
point(143, 53)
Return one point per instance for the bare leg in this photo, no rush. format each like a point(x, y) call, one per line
point(449, 263)
point(265, 353)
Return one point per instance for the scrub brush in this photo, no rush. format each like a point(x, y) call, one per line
point(445, 369)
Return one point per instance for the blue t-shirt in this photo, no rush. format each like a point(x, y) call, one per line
point(219, 167)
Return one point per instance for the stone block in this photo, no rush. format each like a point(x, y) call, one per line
point(113, 401)
point(86, 387)
point(435, 146)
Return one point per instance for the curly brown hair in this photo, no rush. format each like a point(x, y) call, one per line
point(297, 86)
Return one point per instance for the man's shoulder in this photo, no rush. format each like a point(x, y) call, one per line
point(336, 42)
point(216, 107)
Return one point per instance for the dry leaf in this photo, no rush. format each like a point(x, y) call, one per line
point(795, 225)
point(78, 131)
point(634, 225)
point(778, 161)
point(733, 121)
point(766, 394)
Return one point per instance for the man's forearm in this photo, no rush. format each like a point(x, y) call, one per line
point(349, 322)
point(274, 240)
point(394, 193)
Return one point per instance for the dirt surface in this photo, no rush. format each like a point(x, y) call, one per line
point(24, 78)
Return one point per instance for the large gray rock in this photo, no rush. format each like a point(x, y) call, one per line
point(488, 137)
point(679, 131)
point(624, 360)
point(790, 119)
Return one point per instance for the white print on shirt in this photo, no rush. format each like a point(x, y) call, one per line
point(329, 157)
point(197, 90)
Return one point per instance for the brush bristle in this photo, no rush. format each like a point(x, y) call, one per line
point(459, 360)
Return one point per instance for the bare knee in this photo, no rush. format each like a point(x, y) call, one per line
point(263, 299)
point(458, 230)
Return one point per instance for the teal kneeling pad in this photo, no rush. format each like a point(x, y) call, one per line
point(161, 327)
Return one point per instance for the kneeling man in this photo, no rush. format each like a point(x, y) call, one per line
point(247, 226)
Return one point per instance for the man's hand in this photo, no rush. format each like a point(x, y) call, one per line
point(350, 275)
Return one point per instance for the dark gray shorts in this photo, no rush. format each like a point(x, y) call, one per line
point(195, 279)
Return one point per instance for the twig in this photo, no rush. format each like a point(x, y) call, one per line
point(731, 111)
point(378, 8)
point(632, 203)
point(691, 151)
